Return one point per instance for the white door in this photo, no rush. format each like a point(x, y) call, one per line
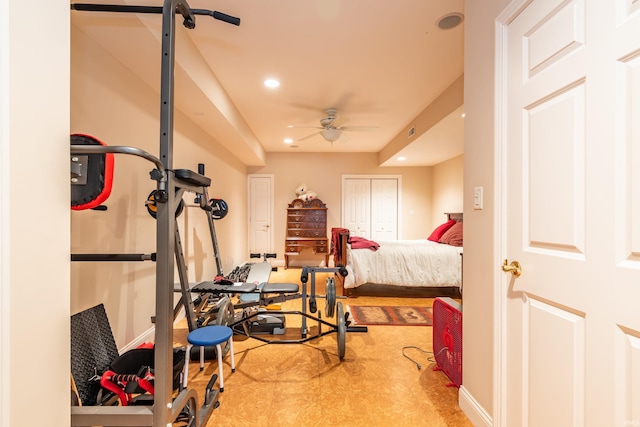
point(370, 206)
point(570, 198)
point(261, 214)
point(356, 205)
point(384, 209)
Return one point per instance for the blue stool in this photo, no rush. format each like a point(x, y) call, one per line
point(208, 336)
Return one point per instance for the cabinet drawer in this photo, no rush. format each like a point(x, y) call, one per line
point(306, 219)
point(305, 232)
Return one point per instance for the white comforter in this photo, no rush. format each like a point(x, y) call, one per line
point(415, 263)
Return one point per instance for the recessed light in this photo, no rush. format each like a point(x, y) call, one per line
point(288, 141)
point(401, 159)
point(463, 115)
point(272, 83)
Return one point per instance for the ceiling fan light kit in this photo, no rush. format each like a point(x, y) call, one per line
point(331, 126)
point(331, 134)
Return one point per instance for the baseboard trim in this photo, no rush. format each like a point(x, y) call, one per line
point(473, 410)
point(148, 335)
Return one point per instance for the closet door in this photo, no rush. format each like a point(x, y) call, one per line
point(384, 209)
point(370, 207)
point(356, 205)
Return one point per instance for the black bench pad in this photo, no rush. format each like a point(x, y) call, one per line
point(214, 287)
point(280, 288)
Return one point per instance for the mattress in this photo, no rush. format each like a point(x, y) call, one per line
point(413, 263)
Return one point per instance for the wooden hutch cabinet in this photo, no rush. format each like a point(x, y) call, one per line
point(306, 228)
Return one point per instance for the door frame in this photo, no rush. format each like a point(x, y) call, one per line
point(501, 280)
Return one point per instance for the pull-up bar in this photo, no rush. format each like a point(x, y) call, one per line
point(186, 13)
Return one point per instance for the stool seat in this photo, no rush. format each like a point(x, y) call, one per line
point(209, 336)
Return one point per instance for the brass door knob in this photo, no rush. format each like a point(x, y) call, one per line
point(514, 268)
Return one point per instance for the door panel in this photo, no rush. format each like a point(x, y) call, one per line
point(384, 209)
point(571, 97)
point(554, 376)
point(554, 144)
point(357, 206)
point(260, 214)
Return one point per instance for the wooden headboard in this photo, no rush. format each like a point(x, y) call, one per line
point(454, 215)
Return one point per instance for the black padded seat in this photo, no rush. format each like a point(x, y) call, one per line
point(214, 287)
point(192, 177)
point(279, 288)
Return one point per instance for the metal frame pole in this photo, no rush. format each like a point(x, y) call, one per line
point(165, 223)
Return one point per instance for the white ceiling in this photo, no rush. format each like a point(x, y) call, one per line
point(380, 63)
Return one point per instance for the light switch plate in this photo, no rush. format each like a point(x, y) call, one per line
point(477, 198)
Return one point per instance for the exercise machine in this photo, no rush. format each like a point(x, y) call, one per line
point(166, 409)
point(257, 324)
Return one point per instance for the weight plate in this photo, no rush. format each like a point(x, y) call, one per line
point(152, 206)
point(219, 208)
point(226, 312)
point(225, 317)
point(330, 307)
point(342, 332)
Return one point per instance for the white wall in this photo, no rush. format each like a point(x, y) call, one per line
point(34, 213)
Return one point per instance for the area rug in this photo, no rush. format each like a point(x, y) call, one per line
point(391, 315)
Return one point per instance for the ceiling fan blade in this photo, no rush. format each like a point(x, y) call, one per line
point(350, 128)
point(339, 121)
point(304, 127)
point(308, 136)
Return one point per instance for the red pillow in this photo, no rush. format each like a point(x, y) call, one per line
point(453, 236)
point(440, 230)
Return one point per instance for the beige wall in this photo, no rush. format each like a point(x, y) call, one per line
point(34, 213)
point(447, 194)
point(480, 266)
point(110, 103)
point(322, 172)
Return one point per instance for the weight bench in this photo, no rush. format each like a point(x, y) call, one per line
point(265, 294)
point(268, 293)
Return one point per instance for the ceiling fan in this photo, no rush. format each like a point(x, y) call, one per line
point(331, 126)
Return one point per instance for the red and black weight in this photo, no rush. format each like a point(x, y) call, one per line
point(98, 172)
point(152, 205)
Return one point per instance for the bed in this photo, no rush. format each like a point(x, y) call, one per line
point(396, 267)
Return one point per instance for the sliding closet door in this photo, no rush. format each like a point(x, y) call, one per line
point(370, 206)
point(384, 209)
point(356, 205)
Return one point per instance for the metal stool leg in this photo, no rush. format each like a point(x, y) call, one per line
point(219, 355)
point(233, 360)
point(201, 357)
point(186, 366)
